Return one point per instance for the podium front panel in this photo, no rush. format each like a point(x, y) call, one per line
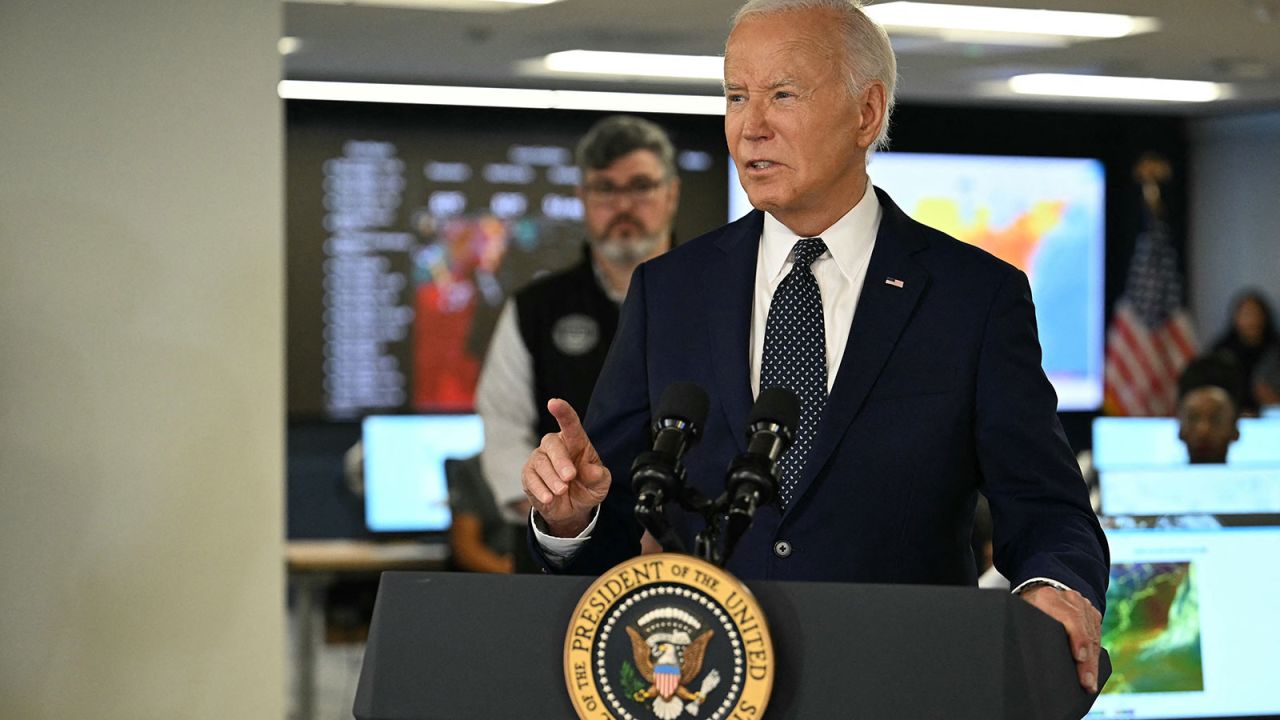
point(461, 646)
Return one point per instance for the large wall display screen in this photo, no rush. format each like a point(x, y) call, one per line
point(1044, 215)
point(409, 226)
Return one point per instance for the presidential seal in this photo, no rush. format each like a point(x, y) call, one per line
point(668, 636)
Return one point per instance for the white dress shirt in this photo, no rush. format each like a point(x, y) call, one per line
point(840, 272)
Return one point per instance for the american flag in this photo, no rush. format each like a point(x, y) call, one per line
point(1151, 338)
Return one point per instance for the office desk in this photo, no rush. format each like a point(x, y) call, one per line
point(314, 564)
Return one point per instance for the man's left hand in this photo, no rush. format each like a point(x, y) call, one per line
point(1083, 623)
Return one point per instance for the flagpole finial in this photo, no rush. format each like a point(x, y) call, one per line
point(1150, 172)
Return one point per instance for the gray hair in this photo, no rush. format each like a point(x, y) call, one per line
point(619, 135)
point(868, 56)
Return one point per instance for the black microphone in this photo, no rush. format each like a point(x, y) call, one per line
point(753, 475)
point(657, 475)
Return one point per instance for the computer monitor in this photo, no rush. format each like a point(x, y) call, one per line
point(1136, 442)
point(1191, 619)
point(405, 490)
point(1259, 442)
point(1152, 442)
point(1181, 489)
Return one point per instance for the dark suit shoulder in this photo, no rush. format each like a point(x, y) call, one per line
point(962, 255)
point(941, 254)
point(957, 257)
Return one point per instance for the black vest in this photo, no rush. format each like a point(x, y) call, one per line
point(567, 323)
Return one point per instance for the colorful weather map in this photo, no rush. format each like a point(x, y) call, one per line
point(1152, 629)
point(1042, 215)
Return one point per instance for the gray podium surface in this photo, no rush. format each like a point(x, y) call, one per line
point(462, 646)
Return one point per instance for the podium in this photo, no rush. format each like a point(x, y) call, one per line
point(463, 646)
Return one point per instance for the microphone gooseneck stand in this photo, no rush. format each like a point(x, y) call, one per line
point(659, 478)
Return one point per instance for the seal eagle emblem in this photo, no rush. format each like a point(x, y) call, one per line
point(668, 637)
point(669, 661)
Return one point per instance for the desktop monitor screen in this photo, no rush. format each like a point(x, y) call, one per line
point(1044, 215)
point(1152, 442)
point(1183, 489)
point(1191, 620)
point(405, 490)
point(1143, 469)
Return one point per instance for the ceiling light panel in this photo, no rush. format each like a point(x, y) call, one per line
point(501, 97)
point(1118, 88)
point(957, 20)
point(636, 65)
point(458, 5)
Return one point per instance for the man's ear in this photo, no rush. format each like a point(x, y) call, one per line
point(872, 105)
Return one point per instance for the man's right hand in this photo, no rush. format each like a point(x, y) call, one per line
point(564, 477)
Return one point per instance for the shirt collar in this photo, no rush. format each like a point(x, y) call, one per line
point(848, 240)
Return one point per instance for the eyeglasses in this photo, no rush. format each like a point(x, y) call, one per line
point(637, 190)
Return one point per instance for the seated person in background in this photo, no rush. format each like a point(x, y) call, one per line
point(479, 539)
point(1251, 335)
point(1209, 400)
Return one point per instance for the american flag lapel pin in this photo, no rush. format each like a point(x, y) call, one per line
point(894, 282)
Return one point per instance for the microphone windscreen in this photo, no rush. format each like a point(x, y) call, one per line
point(686, 401)
point(776, 405)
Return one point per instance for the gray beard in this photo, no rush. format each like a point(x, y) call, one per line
point(630, 251)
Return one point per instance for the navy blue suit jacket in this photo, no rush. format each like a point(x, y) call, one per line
point(940, 395)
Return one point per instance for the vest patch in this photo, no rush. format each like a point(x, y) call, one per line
point(576, 334)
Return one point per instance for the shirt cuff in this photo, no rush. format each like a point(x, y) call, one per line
point(557, 550)
point(1039, 581)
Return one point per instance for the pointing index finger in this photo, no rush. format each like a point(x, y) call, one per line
point(575, 438)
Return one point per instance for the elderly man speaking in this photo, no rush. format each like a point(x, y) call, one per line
point(915, 357)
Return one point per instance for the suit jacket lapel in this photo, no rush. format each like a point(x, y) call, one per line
point(728, 301)
point(883, 312)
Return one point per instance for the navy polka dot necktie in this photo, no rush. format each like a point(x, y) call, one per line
point(795, 355)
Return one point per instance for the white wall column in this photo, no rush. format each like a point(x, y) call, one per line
point(141, 354)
